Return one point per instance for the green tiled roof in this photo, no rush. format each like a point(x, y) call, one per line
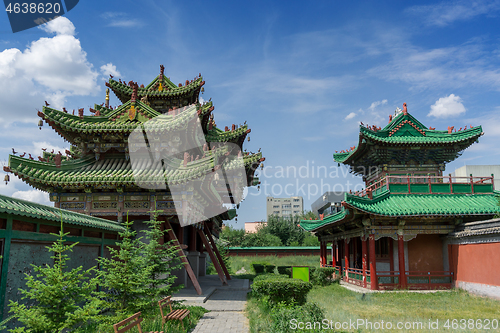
point(414, 205)
point(310, 225)
point(115, 170)
point(30, 209)
point(406, 130)
point(123, 91)
point(388, 204)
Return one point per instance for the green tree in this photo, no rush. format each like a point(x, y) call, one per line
point(261, 238)
point(311, 240)
point(61, 299)
point(161, 259)
point(307, 215)
point(234, 237)
point(286, 229)
point(126, 274)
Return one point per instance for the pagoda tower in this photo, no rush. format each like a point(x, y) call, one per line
point(393, 234)
point(112, 171)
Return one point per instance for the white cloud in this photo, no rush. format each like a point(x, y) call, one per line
point(33, 196)
point(120, 20)
point(445, 13)
point(350, 116)
point(48, 69)
point(109, 68)
point(45, 145)
point(60, 26)
point(448, 106)
point(377, 103)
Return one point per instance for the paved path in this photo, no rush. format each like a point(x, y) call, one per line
point(226, 313)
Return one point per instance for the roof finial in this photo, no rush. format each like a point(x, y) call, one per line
point(135, 87)
point(405, 110)
point(162, 70)
point(107, 98)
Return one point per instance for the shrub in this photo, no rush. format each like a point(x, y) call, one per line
point(269, 268)
point(282, 289)
point(259, 267)
point(283, 313)
point(323, 276)
point(270, 277)
point(286, 270)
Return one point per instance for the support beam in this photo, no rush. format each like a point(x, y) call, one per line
point(214, 246)
point(401, 260)
point(373, 264)
point(363, 260)
point(212, 257)
point(187, 266)
point(346, 259)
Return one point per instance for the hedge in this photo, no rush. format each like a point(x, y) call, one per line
point(282, 289)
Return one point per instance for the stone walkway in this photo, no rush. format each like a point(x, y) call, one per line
point(225, 303)
point(226, 313)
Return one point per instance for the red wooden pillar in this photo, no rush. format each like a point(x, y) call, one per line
point(321, 254)
point(346, 259)
point(401, 257)
point(333, 255)
point(363, 260)
point(373, 267)
point(391, 254)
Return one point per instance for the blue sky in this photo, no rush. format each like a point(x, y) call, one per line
point(303, 75)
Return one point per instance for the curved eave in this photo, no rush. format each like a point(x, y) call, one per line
point(124, 91)
point(432, 138)
point(316, 225)
point(34, 210)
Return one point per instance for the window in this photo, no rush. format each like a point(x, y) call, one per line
point(296, 200)
point(286, 206)
point(276, 206)
point(295, 211)
point(296, 206)
point(276, 212)
point(286, 212)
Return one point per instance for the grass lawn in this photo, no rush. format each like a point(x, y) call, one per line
point(342, 305)
point(245, 262)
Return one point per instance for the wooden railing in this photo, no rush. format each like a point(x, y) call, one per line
point(430, 185)
point(388, 279)
point(429, 280)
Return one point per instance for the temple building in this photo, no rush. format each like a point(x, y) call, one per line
point(160, 149)
point(400, 232)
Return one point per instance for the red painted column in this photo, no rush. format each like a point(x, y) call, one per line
point(373, 267)
point(346, 258)
point(363, 260)
point(401, 257)
point(333, 255)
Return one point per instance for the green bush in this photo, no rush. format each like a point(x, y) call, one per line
point(270, 277)
point(258, 268)
point(270, 268)
point(283, 316)
point(286, 270)
point(282, 289)
point(322, 276)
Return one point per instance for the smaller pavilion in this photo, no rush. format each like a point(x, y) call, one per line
point(392, 235)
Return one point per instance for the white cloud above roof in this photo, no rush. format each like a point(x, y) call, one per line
point(449, 106)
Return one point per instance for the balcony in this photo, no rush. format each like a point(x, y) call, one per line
point(412, 184)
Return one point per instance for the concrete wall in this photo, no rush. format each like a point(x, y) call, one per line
point(252, 227)
point(476, 267)
point(479, 171)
